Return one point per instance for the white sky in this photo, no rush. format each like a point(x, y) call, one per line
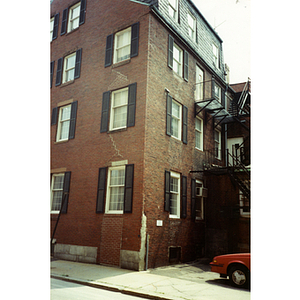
point(231, 20)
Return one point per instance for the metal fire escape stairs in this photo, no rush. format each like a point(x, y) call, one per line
point(239, 108)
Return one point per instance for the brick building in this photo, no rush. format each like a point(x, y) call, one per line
point(140, 108)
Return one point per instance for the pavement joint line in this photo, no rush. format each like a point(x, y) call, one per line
point(110, 287)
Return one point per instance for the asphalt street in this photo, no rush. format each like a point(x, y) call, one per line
point(63, 290)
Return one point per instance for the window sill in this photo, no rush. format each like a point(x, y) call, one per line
point(117, 130)
point(67, 83)
point(116, 213)
point(200, 150)
point(61, 142)
point(69, 32)
point(121, 63)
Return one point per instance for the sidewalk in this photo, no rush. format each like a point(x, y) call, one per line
point(192, 281)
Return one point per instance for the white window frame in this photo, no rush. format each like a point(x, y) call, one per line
point(108, 190)
point(120, 47)
point(241, 198)
point(218, 92)
point(56, 190)
point(114, 107)
point(71, 18)
point(199, 132)
point(178, 119)
point(68, 69)
point(173, 10)
point(60, 124)
point(199, 92)
point(199, 184)
point(178, 64)
point(176, 194)
point(191, 27)
point(51, 28)
point(216, 55)
point(217, 142)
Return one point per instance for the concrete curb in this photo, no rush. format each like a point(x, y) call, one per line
point(110, 287)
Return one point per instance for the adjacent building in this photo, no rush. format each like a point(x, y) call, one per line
point(142, 116)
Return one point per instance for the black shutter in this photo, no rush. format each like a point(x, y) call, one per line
point(101, 190)
point(134, 47)
point(55, 27)
point(128, 192)
point(169, 114)
point(66, 190)
point(54, 116)
point(186, 66)
point(170, 52)
point(51, 72)
point(131, 105)
point(73, 120)
point(78, 63)
point(59, 71)
point(223, 97)
point(82, 12)
point(105, 111)
point(184, 197)
point(109, 50)
point(167, 190)
point(184, 124)
point(64, 22)
point(193, 199)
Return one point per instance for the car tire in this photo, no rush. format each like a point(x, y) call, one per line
point(239, 276)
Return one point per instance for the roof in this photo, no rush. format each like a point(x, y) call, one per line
point(238, 87)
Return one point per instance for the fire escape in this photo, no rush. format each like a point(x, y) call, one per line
point(224, 109)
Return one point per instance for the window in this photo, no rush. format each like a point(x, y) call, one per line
point(218, 92)
point(65, 116)
point(176, 120)
point(192, 26)
point(126, 45)
point(73, 17)
point(115, 190)
point(122, 45)
point(74, 13)
point(118, 118)
point(68, 68)
point(199, 203)
point(63, 123)
point(199, 84)
point(175, 195)
point(173, 9)
point(199, 133)
point(178, 60)
point(217, 144)
point(51, 28)
point(216, 59)
point(120, 108)
point(244, 204)
point(60, 186)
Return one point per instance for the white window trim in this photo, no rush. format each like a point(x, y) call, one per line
point(199, 92)
point(115, 45)
point(217, 87)
point(51, 28)
point(180, 120)
point(216, 56)
point(107, 211)
point(201, 134)
point(219, 143)
point(59, 124)
point(65, 70)
point(201, 201)
point(112, 118)
point(175, 10)
point(177, 176)
point(180, 62)
point(193, 29)
point(51, 197)
point(70, 21)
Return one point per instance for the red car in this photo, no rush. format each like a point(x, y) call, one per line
point(236, 266)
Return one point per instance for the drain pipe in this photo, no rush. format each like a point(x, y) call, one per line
point(147, 252)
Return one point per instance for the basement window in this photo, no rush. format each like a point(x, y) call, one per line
point(174, 255)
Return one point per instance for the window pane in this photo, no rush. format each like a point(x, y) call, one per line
point(75, 12)
point(120, 117)
point(64, 133)
point(175, 110)
point(116, 198)
point(120, 98)
point(65, 113)
point(71, 62)
point(191, 21)
point(198, 145)
point(56, 200)
point(173, 204)
point(117, 177)
point(198, 124)
point(174, 185)
point(58, 182)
